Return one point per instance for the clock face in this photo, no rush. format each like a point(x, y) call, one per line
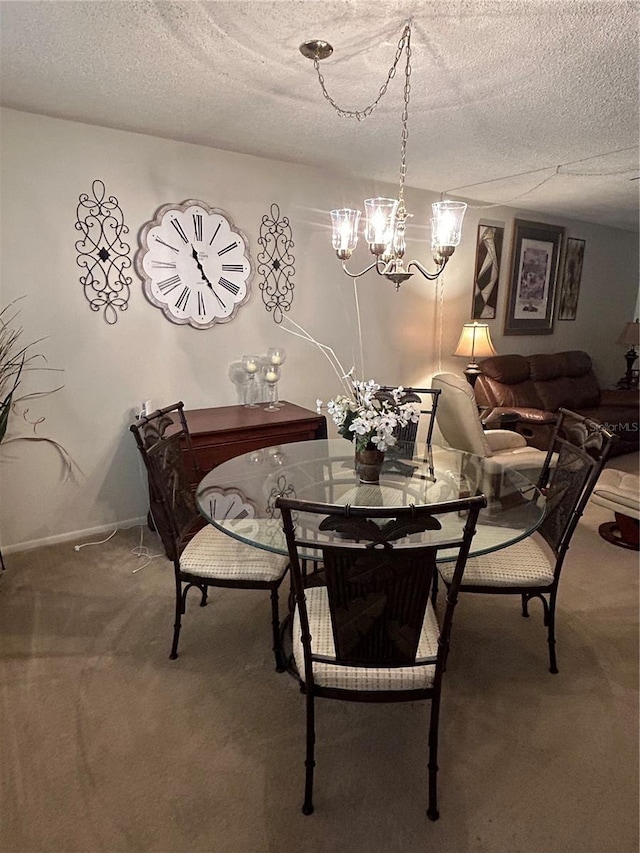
point(195, 264)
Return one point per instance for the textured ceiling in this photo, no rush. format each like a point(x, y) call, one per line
point(503, 91)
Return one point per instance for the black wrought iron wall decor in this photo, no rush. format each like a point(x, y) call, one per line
point(102, 252)
point(276, 263)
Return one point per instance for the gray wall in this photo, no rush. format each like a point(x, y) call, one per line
point(108, 370)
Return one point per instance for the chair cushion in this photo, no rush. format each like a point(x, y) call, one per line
point(356, 677)
point(527, 563)
point(213, 554)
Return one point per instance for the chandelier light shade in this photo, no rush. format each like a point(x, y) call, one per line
point(345, 231)
point(446, 225)
point(380, 223)
point(386, 218)
point(475, 342)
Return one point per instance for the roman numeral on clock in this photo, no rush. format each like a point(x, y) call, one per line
point(215, 233)
point(229, 285)
point(169, 284)
point(180, 230)
point(181, 301)
point(163, 265)
point(173, 248)
point(201, 310)
point(197, 226)
point(228, 248)
point(232, 267)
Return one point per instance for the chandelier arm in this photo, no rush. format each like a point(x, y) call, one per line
point(362, 272)
point(360, 115)
point(430, 276)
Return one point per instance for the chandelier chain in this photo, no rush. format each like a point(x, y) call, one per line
point(360, 115)
point(405, 117)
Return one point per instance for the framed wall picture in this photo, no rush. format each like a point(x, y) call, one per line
point(487, 271)
point(569, 289)
point(535, 258)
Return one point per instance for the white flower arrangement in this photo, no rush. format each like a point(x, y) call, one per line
point(364, 412)
point(371, 416)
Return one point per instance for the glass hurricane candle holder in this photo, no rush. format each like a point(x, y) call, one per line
point(277, 357)
point(270, 376)
point(250, 365)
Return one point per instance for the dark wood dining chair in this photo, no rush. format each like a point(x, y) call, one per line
point(202, 556)
point(531, 568)
point(427, 401)
point(371, 634)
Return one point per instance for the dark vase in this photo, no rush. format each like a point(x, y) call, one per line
point(368, 465)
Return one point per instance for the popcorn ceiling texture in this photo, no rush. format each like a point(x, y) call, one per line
point(498, 88)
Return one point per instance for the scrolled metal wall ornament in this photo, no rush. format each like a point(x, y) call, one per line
point(102, 252)
point(276, 263)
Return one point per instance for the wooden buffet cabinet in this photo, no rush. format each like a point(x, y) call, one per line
point(221, 433)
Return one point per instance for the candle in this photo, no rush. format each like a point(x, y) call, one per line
point(276, 358)
point(251, 367)
point(271, 376)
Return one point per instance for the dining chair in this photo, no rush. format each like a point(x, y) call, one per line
point(531, 568)
point(371, 634)
point(459, 422)
point(202, 556)
point(427, 400)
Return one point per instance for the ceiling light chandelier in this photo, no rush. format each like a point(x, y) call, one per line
point(386, 218)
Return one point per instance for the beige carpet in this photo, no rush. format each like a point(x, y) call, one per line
point(107, 745)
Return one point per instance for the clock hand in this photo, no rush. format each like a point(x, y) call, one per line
point(199, 265)
point(205, 279)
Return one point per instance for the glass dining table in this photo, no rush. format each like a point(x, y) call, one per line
point(239, 495)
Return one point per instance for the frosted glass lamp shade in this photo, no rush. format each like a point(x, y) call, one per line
point(446, 223)
point(475, 342)
point(380, 224)
point(345, 231)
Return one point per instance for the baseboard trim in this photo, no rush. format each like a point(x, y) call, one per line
point(73, 536)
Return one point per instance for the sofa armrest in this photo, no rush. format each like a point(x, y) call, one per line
point(504, 439)
point(491, 417)
point(610, 397)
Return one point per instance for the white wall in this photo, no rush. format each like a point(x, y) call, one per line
point(108, 370)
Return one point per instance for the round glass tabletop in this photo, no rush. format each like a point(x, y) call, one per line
point(239, 495)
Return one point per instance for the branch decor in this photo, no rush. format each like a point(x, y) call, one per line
point(276, 263)
point(16, 359)
point(102, 252)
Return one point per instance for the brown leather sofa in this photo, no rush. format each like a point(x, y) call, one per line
point(536, 386)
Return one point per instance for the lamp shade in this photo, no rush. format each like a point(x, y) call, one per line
point(630, 334)
point(475, 341)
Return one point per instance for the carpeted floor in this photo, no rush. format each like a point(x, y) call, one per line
point(107, 745)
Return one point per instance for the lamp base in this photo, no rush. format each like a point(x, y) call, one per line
point(630, 356)
point(472, 371)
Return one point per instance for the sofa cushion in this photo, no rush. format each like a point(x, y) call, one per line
point(507, 369)
point(576, 363)
point(572, 393)
point(564, 379)
point(545, 366)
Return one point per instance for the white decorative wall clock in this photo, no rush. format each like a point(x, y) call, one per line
point(194, 264)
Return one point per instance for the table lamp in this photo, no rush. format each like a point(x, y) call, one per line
point(475, 341)
point(631, 336)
